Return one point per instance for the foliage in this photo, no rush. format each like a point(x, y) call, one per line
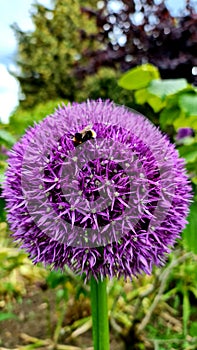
point(153, 304)
point(3, 164)
point(135, 32)
point(74, 39)
point(103, 84)
point(189, 234)
point(78, 58)
point(157, 309)
point(22, 118)
point(173, 102)
point(47, 55)
point(6, 141)
point(15, 268)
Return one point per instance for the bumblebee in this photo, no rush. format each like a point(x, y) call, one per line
point(84, 135)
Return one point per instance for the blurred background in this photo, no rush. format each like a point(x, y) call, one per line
point(140, 53)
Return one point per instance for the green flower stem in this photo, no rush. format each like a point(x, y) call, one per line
point(100, 322)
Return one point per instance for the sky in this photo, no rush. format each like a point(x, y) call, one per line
point(11, 11)
point(18, 11)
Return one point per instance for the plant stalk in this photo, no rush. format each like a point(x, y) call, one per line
point(100, 324)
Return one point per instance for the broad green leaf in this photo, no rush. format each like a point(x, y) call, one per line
point(194, 180)
point(156, 103)
point(7, 137)
point(191, 157)
point(141, 96)
point(188, 103)
point(190, 232)
point(169, 115)
point(189, 152)
point(139, 77)
point(167, 87)
point(184, 121)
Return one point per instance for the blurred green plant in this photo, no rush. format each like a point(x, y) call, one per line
point(22, 118)
point(15, 268)
point(156, 311)
point(157, 308)
point(47, 55)
point(103, 84)
point(174, 105)
point(6, 141)
point(173, 100)
point(7, 316)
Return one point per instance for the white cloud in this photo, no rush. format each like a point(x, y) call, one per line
point(8, 93)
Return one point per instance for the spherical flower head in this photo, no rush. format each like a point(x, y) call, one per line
point(97, 187)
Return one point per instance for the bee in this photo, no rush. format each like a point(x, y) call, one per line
point(84, 135)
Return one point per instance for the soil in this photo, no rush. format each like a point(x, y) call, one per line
point(37, 317)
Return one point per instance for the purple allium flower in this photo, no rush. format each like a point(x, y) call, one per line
point(113, 205)
point(184, 132)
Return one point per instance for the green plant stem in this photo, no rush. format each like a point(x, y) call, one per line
point(100, 322)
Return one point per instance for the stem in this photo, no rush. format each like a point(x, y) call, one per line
point(100, 325)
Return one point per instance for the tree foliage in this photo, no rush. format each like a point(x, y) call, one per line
point(47, 55)
point(75, 39)
point(136, 32)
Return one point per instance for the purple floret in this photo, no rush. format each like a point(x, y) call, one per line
point(111, 206)
point(184, 132)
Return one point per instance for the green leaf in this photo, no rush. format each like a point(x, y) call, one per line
point(167, 87)
point(191, 157)
point(156, 103)
point(6, 316)
point(188, 103)
point(141, 96)
point(2, 176)
point(194, 180)
point(190, 232)
point(193, 329)
point(21, 119)
point(56, 278)
point(194, 289)
point(186, 312)
point(185, 121)
point(7, 137)
point(138, 77)
point(169, 115)
point(2, 209)
point(3, 166)
point(189, 152)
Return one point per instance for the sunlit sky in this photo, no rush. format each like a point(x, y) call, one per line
point(19, 11)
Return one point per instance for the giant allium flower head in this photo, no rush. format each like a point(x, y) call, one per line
point(112, 205)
